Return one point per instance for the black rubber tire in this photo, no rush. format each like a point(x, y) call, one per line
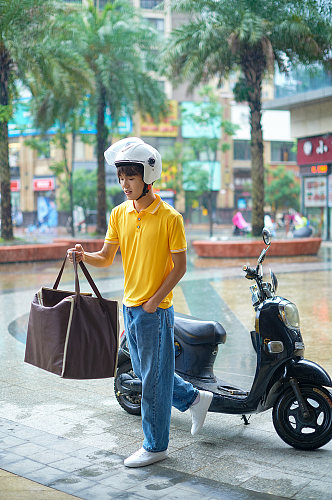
point(304, 434)
point(132, 404)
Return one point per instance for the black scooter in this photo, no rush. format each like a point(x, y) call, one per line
point(294, 387)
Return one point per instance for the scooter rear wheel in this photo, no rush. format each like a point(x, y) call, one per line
point(304, 433)
point(129, 402)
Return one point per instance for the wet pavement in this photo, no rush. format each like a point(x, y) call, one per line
point(72, 436)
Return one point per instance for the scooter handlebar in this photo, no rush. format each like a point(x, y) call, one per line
point(250, 272)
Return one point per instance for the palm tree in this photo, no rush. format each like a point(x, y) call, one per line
point(37, 43)
point(118, 51)
point(248, 37)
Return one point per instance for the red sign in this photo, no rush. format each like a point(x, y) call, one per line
point(46, 184)
point(319, 169)
point(15, 185)
point(314, 150)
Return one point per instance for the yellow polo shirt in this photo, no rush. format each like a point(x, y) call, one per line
point(147, 239)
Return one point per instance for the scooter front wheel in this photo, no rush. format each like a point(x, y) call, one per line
point(129, 402)
point(304, 433)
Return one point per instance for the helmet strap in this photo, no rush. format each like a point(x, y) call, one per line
point(146, 189)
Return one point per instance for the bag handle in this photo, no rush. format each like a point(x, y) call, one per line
point(77, 283)
point(57, 281)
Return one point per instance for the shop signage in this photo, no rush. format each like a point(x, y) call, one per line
point(15, 186)
point(196, 122)
point(167, 126)
point(44, 184)
point(314, 150)
point(22, 121)
point(314, 169)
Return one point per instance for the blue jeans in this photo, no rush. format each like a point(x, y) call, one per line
point(150, 338)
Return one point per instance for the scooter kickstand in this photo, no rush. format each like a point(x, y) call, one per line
point(245, 420)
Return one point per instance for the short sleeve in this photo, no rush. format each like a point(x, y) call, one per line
point(177, 237)
point(112, 230)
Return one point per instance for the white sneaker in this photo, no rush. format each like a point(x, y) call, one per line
point(142, 457)
point(199, 410)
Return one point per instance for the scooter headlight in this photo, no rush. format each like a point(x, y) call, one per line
point(289, 315)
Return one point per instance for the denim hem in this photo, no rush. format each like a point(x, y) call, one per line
point(193, 399)
point(153, 451)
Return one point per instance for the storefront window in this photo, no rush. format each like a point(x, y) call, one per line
point(315, 204)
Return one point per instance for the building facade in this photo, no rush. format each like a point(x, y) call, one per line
point(307, 95)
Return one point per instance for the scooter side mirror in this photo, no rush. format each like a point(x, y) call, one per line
point(266, 236)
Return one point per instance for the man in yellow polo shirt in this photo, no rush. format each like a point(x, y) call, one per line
point(151, 237)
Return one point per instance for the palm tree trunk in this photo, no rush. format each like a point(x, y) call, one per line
point(253, 64)
point(70, 183)
point(101, 146)
point(6, 205)
point(210, 214)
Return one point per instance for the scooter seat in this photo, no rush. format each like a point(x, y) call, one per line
point(195, 331)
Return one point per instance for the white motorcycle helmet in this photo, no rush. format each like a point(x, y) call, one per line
point(134, 151)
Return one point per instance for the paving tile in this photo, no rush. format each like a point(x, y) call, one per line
point(72, 484)
point(276, 483)
point(89, 453)
point(67, 446)
point(46, 475)
point(69, 464)
point(313, 464)
point(232, 470)
point(128, 496)
point(101, 471)
point(315, 490)
point(23, 466)
point(176, 493)
point(126, 478)
point(48, 456)
point(187, 460)
point(27, 433)
point(7, 457)
point(154, 489)
point(9, 441)
point(98, 492)
point(27, 449)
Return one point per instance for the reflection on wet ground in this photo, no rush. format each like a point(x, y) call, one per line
point(211, 289)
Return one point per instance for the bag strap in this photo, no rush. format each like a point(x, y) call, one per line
point(77, 283)
point(90, 280)
point(57, 281)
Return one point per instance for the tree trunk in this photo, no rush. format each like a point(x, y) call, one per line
point(70, 184)
point(253, 64)
point(210, 214)
point(6, 205)
point(101, 146)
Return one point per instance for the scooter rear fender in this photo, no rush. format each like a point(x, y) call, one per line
point(308, 371)
point(122, 357)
